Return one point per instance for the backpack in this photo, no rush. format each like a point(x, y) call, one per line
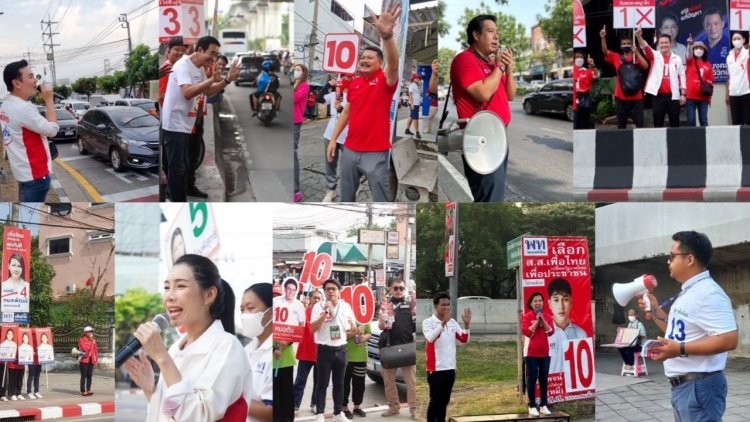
point(630, 77)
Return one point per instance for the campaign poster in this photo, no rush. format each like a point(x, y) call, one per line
point(193, 231)
point(16, 275)
point(44, 345)
point(558, 268)
point(706, 20)
point(25, 346)
point(289, 317)
point(9, 343)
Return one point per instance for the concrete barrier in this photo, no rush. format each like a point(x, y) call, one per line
point(489, 315)
point(662, 164)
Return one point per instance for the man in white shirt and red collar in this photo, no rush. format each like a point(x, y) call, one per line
point(666, 80)
point(700, 330)
point(25, 132)
point(441, 332)
point(367, 147)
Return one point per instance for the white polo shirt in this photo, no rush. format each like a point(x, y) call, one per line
point(440, 350)
point(25, 134)
point(289, 313)
point(341, 314)
point(261, 381)
point(179, 114)
point(739, 84)
point(702, 309)
point(416, 96)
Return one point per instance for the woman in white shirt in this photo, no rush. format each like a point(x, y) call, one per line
point(257, 316)
point(738, 84)
point(203, 374)
point(16, 287)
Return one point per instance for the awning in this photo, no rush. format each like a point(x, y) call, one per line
point(349, 268)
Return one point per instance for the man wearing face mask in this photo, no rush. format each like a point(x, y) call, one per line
point(666, 80)
point(256, 312)
point(290, 311)
point(415, 101)
point(628, 353)
point(628, 100)
point(583, 77)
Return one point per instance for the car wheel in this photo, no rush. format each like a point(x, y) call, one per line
point(81, 149)
point(569, 112)
point(528, 108)
point(115, 157)
point(375, 378)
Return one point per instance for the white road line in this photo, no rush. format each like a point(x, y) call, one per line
point(558, 132)
point(122, 177)
point(132, 194)
point(73, 158)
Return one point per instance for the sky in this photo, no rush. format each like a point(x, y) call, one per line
point(26, 215)
point(80, 21)
point(525, 12)
point(333, 217)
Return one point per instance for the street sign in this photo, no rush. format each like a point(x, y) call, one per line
point(579, 25)
point(340, 53)
point(372, 236)
point(634, 14)
point(181, 18)
point(739, 15)
point(513, 253)
point(393, 237)
point(391, 252)
point(450, 259)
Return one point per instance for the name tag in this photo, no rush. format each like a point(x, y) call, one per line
point(335, 332)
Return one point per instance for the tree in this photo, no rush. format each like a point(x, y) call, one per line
point(106, 84)
point(62, 90)
point(511, 33)
point(132, 309)
point(85, 86)
point(40, 299)
point(556, 27)
point(445, 57)
point(142, 67)
point(285, 30)
point(544, 58)
point(121, 79)
point(443, 26)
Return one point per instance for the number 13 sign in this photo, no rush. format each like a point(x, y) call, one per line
point(341, 53)
point(181, 18)
point(634, 13)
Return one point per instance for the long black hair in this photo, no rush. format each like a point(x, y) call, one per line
point(207, 275)
point(264, 291)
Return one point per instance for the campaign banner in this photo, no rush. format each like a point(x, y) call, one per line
point(450, 237)
point(16, 273)
point(739, 15)
point(579, 25)
point(193, 231)
point(9, 344)
point(43, 344)
point(289, 317)
point(633, 14)
point(181, 18)
point(25, 347)
point(558, 268)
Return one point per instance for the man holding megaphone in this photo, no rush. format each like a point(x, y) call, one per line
point(700, 330)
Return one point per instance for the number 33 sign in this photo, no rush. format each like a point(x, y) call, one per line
point(181, 18)
point(341, 53)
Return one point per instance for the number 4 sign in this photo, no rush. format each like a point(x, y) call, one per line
point(739, 12)
point(341, 53)
point(634, 14)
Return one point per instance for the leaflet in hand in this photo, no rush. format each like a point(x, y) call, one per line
point(649, 348)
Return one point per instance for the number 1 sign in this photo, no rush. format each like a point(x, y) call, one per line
point(634, 13)
point(739, 15)
point(341, 53)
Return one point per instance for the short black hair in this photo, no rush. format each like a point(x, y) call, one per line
point(475, 25)
point(176, 42)
point(740, 33)
point(559, 286)
point(581, 52)
point(712, 11)
point(531, 298)
point(377, 51)
point(667, 36)
point(264, 291)
point(397, 280)
point(330, 280)
point(290, 281)
point(441, 295)
point(669, 16)
point(223, 57)
point(205, 42)
point(696, 244)
point(12, 72)
point(625, 38)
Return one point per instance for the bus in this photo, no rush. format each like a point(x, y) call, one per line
point(233, 41)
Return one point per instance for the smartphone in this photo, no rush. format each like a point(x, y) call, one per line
point(502, 49)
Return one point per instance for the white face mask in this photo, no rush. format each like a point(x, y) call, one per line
point(698, 52)
point(737, 43)
point(251, 324)
point(631, 318)
point(297, 74)
point(579, 62)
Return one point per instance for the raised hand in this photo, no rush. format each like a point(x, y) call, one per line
point(603, 32)
point(141, 372)
point(388, 18)
point(466, 317)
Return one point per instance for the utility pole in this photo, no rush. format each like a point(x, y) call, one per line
point(29, 54)
point(369, 226)
point(125, 24)
point(106, 66)
point(313, 43)
point(51, 56)
point(453, 282)
point(14, 214)
point(407, 248)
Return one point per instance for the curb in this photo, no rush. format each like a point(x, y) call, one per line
point(208, 176)
point(55, 412)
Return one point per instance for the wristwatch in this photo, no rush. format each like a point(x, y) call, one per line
point(683, 354)
point(226, 81)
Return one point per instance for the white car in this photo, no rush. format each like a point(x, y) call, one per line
point(78, 108)
point(536, 84)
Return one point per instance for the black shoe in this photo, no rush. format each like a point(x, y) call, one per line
point(359, 412)
point(408, 132)
point(255, 113)
point(194, 191)
point(348, 414)
point(419, 136)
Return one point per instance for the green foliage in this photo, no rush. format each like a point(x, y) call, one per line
point(556, 26)
point(443, 26)
point(80, 308)
point(445, 57)
point(602, 93)
point(545, 58)
point(511, 33)
point(85, 86)
point(132, 309)
point(63, 90)
point(106, 84)
point(40, 301)
point(142, 66)
point(284, 31)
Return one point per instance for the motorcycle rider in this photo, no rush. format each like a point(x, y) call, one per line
point(267, 82)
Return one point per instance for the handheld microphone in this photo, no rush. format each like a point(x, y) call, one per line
point(134, 345)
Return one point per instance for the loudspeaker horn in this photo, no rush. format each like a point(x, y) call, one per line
point(482, 139)
point(624, 292)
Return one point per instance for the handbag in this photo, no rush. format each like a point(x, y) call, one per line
point(584, 100)
point(53, 150)
point(397, 356)
point(707, 89)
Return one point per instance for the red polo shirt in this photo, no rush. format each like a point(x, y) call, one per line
point(369, 113)
point(466, 69)
point(165, 70)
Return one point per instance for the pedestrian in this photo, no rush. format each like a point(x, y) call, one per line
point(398, 329)
point(415, 101)
point(441, 333)
point(25, 132)
point(307, 356)
point(366, 150)
point(35, 371)
point(481, 83)
point(301, 90)
point(584, 75)
point(336, 99)
point(738, 84)
point(176, 48)
point(699, 73)
point(87, 345)
point(187, 82)
point(15, 381)
point(628, 353)
point(331, 321)
point(666, 80)
point(203, 375)
point(700, 331)
point(256, 311)
point(432, 94)
point(536, 327)
point(356, 369)
point(629, 67)
point(289, 311)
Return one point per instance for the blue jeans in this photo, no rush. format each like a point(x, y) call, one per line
point(303, 370)
point(701, 400)
point(35, 190)
point(702, 107)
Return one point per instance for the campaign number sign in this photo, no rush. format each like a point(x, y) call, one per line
point(739, 15)
point(181, 17)
point(340, 53)
point(634, 13)
point(579, 25)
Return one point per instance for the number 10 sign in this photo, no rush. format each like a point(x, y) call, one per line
point(341, 53)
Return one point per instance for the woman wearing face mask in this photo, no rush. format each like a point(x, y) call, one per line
point(584, 74)
point(301, 90)
point(628, 353)
point(307, 355)
point(202, 375)
point(257, 318)
point(738, 84)
point(698, 72)
point(536, 326)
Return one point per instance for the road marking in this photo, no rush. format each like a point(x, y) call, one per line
point(554, 131)
point(73, 158)
point(59, 189)
point(124, 176)
point(93, 194)
point(133, 194)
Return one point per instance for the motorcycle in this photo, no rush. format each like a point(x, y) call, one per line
point(267, 108)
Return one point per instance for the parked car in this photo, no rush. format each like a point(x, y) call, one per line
point(554, 97)
point(78, 108)
point(68, 124)
point(536, 84)
point(127, 136)
point(251, 66)
point(143, 103)
point(523, 84)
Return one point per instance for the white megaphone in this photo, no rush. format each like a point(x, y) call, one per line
point(481, 138)
point(641, 286)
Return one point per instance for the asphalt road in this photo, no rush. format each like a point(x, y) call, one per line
point(540, 167)
point(130, 405)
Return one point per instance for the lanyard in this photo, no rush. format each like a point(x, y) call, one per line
point(678, 294)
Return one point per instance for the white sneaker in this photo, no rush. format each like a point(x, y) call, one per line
point(320, 417)
point(3, 398)
point(533, 411)
point(341, 417)
point(545, 411)
point(330, 195)
point(13, 398)
point(313, 409)
point(39, 396)
point(21, 397)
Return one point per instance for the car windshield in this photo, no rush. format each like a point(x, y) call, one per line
point(79, 106)
point(132, 117)
point(64, 114)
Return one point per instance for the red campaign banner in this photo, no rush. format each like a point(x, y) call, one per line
point(9, 343)
point(558, 268)
point(634, 3)
point(450, 238)
point(579, 25)
point(16, 275)
point(44, 345)
point(288, 333)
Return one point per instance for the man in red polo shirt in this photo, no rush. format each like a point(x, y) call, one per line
point(368, 143)
point(625, 104)
point(482, 83)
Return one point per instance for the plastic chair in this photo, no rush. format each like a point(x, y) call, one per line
point(639, 366)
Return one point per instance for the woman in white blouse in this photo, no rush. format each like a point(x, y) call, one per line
point(257, 318)
point(203, 374)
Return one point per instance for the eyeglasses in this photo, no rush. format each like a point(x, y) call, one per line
point(672, 255)
point(331, 289)
point(398, 288)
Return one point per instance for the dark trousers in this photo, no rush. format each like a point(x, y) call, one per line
point(34, 374)
point(331, 360)
point(582, 116)
point(487, 187)
point(15, 381)
point(176, 148)
point(283, 401)
point(740, 108)
point(663, 104)
point(537, 368)
point(87, 371)
point(303, 370)
point(194, 148)
point(628, 354)
point(625, 108)
point(3, 380)
point(354, 382)
point(441, 386)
